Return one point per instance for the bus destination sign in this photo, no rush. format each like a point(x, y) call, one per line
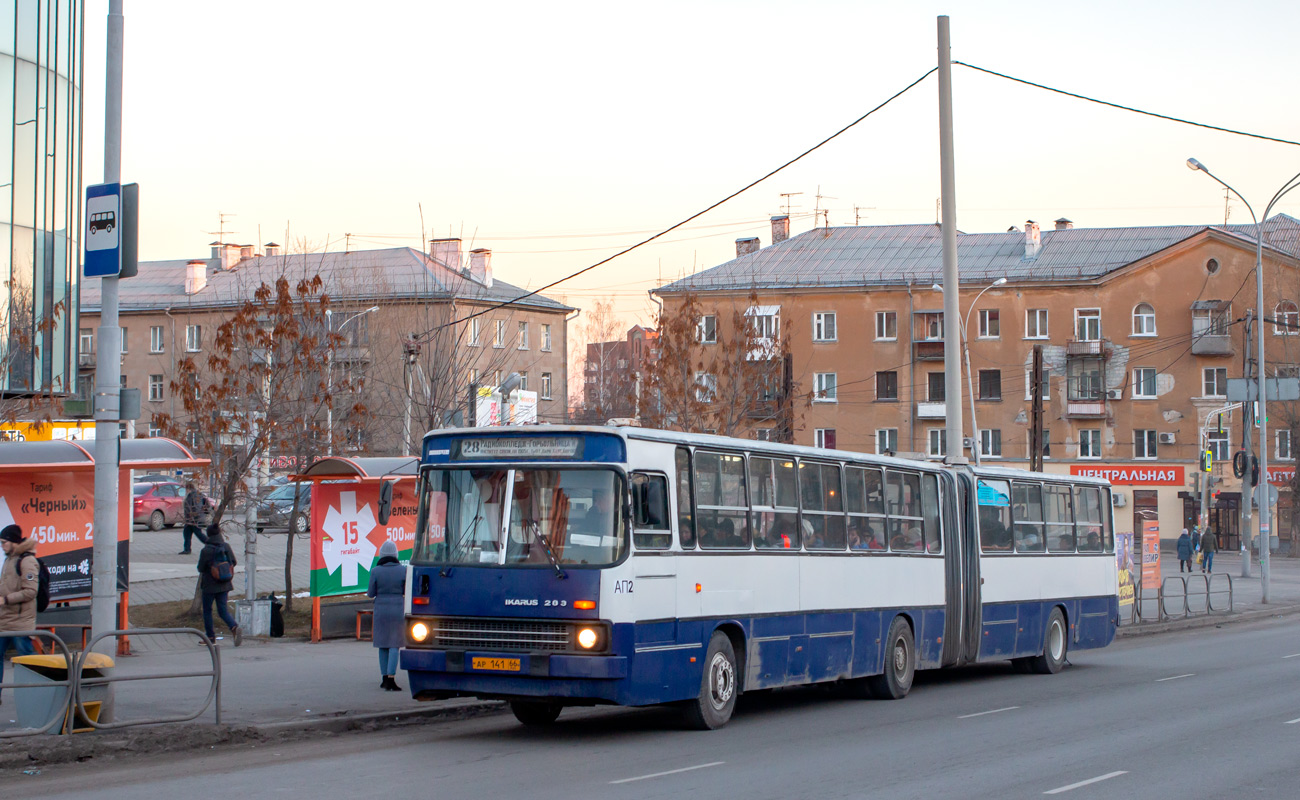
point(504, 448)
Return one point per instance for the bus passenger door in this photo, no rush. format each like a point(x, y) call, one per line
point(653, 586)
point(962, 574)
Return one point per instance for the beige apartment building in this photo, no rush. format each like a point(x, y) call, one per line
point(379, 299)
point(1140, 328)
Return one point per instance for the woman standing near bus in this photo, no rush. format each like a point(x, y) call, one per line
point(388, 588)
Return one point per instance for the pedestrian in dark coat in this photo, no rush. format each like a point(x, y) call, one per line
point(1209, 546)
point(388, 587)
point(216, 589)
point(19, 580)
point(1185, 551)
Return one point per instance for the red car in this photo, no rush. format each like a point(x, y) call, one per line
point(158, 505)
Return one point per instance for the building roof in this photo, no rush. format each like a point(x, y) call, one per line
point(358, 276)
point(902, 254)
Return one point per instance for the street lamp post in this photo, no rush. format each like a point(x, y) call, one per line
point(970, 382)
point(329, 373)
point(1265, 508)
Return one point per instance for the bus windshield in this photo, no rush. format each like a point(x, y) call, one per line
point(560, 516)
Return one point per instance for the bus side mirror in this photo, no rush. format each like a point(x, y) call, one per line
point(385, 501)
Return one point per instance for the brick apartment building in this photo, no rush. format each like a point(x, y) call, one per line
point(611, 374)
point(1140, 327)
point(173, 308)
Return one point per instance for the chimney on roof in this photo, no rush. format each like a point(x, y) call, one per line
point(447, 251)
point(1033, 240)
point(196, 276)
point(780, 229)
point(225, 255)
point(245, 251)
point(480, 266)
point(1064, 224)
point(272, 249)
point(746, 246)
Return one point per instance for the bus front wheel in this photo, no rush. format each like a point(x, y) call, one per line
point(900, 663)
point(1055, 646)
point(718, 687)
point(533, 712)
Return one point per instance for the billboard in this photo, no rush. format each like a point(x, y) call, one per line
point(346, 533)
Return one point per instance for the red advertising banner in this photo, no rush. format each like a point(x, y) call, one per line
point(57, 509)
point(1281, 476)
point(1132, 474)
point(1150, 553)
point(346, 533)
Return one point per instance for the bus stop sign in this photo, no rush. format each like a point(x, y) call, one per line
point(103, 232)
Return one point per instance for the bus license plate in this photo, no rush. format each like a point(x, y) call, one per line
point(498, 664)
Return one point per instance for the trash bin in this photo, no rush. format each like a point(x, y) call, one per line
point(254, 616)
point(39, 704)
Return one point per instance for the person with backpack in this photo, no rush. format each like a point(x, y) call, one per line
point(195, 512)
point(19, 583)
point(1209, 545)
point(216, 571)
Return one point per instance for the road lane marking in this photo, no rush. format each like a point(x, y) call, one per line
point(1174, 677)
point(1293, 655)
point(669, 772)
point(1097, 779)
point(1292, 722)
point(994, 711)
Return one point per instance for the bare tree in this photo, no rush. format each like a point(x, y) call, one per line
point(608, 386)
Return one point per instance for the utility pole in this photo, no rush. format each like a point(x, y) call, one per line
point(948, 209)
point(103, 586)
point(410, 352)
point(1036, 413)
point(1247, 478)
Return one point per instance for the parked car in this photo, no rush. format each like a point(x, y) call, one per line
point(158, 505)
point(155, 477)
point(274, 511)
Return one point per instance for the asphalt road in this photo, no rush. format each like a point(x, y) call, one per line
point(1211, 713)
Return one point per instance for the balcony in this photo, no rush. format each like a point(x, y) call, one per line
point(1210, 344)
point(928, 350)
point(932, 410)
point(85, 360)
point(1085, 409)
point(1084, 347)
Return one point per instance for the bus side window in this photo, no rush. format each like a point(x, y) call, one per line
point(685, 500)
point(650, 528)
point(930, 513)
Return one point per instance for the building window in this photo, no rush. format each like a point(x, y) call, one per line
point(824, 387)
point(886, 326)
point(990, 443)
point(523, 336)
point(824, 326)
point(1283, 451)
point(1090, 443)
point(156, 339)
point(155, 387)
point(121, 379)
point(546, 386)
point(1144, 320)
point(523, 381)
point(931, 329)
point(123, 332)
point(1217, 443)
point(1215, 382)
point(1144, 443)
point(1144, 383)
point(1036, 323)
point(87, 341)
point(887, 385)
point(499, 340)
point(1286, 319)
point(1087, 324)
point(707, 331)
point(824, 437)
point(193, 338)
point(764, 322)
point(886, 440)
point(990, 323)
point(936, 443)
point(473, 376)
point(990, 384)
point(154, 430)
point(1047, 444)
point(706, 387)
point(475, 329)
point(1029, 383)
point(546, 338)
point(1211, 321)
point(935, 387)
point(1084, 377)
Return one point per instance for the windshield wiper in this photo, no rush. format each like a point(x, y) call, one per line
point(472, 526)
point(546, 547)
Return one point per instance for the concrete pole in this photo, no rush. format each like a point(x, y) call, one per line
point(329, 384)
point(1265, 508)
point(948, 207)
point(1247, 487)
point(103, 587)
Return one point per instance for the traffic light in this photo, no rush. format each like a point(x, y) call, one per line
point(1207, 460)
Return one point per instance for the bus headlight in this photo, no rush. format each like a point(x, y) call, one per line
point(587, 638)
point(419, 632)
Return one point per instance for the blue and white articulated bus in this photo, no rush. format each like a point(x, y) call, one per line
point(563, 566)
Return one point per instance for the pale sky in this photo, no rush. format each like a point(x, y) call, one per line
point(558, 133)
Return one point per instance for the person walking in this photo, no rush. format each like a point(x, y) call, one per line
point(19, 579)
point(388, 624)
point(1184, 552)
point(195, 516)
point(1209, 544)
point(216, 571)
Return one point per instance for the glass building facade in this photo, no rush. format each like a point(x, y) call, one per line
point(40, 194)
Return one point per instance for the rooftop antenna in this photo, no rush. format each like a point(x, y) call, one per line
point(824, 213)
point(221, 231)
point(347, 243)
point(1227, 208)
point(788, 204)
point(857, 213)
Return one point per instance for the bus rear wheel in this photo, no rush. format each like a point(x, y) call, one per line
point(900, 663)
point(535, 712)
point(718, 687)
point(1055, 646)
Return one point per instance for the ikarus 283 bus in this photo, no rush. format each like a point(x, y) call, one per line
point(559, 566)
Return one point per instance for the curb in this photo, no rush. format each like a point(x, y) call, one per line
point(1205, 621)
